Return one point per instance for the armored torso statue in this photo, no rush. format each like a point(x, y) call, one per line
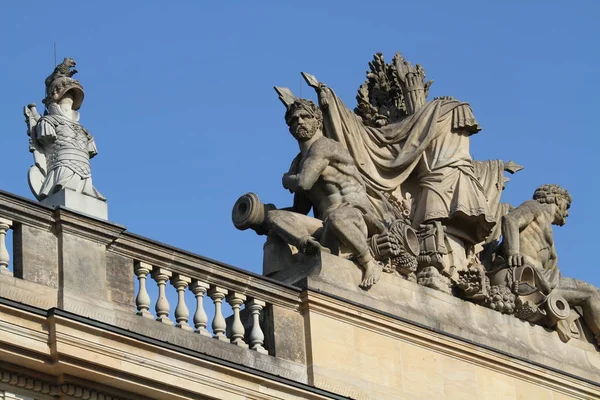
point(62, 148)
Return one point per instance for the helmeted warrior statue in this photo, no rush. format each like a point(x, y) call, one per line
point(61, 146)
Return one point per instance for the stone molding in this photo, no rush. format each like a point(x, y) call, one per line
point(90, 228)
point(451, 316)
point(25, 211)
point(58, 342)
point(45, 387)
point(26, 382)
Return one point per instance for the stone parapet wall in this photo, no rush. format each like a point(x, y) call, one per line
point(445, 314)
point(363, 353)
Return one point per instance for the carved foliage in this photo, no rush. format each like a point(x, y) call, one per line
point(380, 99)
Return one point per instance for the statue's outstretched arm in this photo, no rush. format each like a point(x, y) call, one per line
point(512, 167)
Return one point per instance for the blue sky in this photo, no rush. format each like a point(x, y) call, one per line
point(180, 99)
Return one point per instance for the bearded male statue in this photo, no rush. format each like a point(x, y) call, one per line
point(324, 178)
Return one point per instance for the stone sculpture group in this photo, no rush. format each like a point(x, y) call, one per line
point(393, 187)
point(391, 184)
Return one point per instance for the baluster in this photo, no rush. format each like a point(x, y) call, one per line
point(257, 336)
point(161, 276)
point(217, 294)
point(200, 317)
point(5, 225)
point(237, 328)
point(142, 300)
point(181, 311)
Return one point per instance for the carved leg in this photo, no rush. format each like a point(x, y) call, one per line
point(349, 227)
point(295, 229)
point(586, 295)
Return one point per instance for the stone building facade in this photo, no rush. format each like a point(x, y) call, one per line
point(412, 280)
point(75, 326)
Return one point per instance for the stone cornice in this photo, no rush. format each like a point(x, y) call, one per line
point(25, 211)
point(23, 381)
point(48, 387)
point(147, 365)
point(32, 213)
point(93, 229)
point(68, 348)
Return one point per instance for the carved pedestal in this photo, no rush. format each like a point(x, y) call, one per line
point(78, 202)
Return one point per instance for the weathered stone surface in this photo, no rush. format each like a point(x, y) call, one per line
point(37, 255)
point(83, 267)
point(365, 355)
point(450, 315)
point(104, 361)
point(284, 334)
point(119, 281)
point(30, 293)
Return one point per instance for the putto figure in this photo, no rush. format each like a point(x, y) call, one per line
point(61, 147)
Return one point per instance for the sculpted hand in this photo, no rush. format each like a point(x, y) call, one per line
point(290, 182)
point(516, 260)
point(323, 93)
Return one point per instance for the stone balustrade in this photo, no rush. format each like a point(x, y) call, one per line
point(5, 225)
point(100, 262)
point(202, 291)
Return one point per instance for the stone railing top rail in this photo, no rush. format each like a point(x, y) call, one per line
point(118, 240)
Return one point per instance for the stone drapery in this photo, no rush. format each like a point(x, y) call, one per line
point(429, 148)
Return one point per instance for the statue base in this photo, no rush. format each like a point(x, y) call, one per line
point(439, 312)
point(78, 202)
